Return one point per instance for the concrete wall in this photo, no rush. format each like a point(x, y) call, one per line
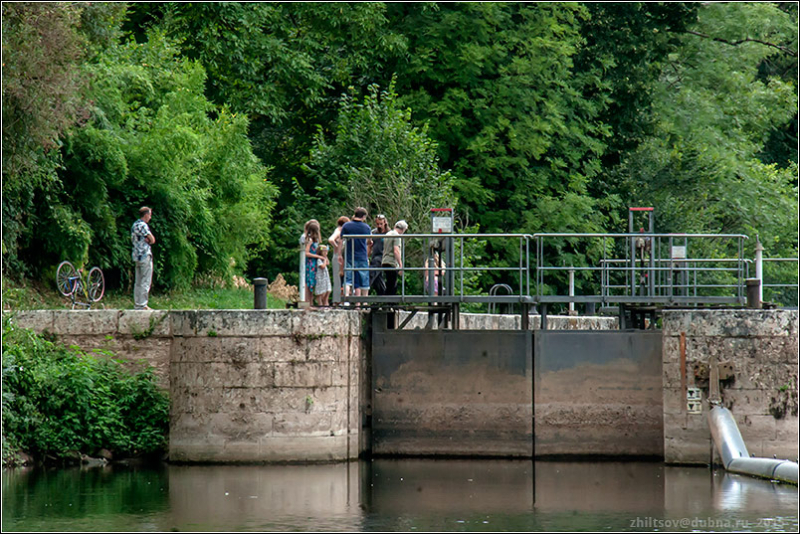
point(289, 385)
point(276, 386)
point(136, 337)
point(245, 385)
point(762, 392)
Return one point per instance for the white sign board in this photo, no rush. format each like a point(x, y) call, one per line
point(679, 252)
point(442, 225)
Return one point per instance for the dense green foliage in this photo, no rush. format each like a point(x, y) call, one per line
point(148, 136)
point(539, 117)
point(58, 399)
point(378, 158)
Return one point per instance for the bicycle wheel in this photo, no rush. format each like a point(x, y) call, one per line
point(97, 284)
point(66, 276)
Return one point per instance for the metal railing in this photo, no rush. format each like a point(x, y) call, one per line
point(610, 268)
point(780, 292)
point(451, 277)
point(660, 271)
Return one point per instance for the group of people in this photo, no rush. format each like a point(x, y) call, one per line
point(354, 256)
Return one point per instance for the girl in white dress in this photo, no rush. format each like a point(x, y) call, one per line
point(323, 289)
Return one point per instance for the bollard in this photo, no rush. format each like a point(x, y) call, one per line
point(753, 291)
point(260, 298)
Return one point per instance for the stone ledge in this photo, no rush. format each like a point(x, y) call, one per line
point(154, 323)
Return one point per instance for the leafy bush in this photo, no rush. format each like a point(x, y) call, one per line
point(58, 399)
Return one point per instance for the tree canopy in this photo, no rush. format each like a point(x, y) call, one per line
point(238, 121)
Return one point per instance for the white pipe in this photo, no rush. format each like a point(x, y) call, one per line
point(735, 457)
point(760, 269)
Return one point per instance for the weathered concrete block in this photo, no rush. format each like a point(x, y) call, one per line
point(240, 350)
point(327, 348)
point(37, 320)
point(323, 322)
point(304, 424)
point(187, 374)
point(85, 322)
point(357, 349)
point(245, 400)
point(746, 401)
point(142, 323)
point(224, 374)
point(671, 376)
point(243, 323)
point(681, 452)
point(195, 400)
point(187, 424)
point(340, 373)
point(183, 323)
point(303, 374)
point(282, 349)
point(756, 427)
point(287, 448)
point(674, 401)
point(241, 451)
point(786, 431)
point(775, 349)
point(241, 427)
point(358, 322)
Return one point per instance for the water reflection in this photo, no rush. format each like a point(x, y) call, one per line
point(387, 495)
point(282, 497)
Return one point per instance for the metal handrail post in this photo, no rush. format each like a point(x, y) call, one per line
point(527, 267)
point(520, 267)
point(462, 268)
point(337, 282)
point(403, 277)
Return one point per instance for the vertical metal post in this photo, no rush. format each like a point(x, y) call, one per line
point(603, 280)
point(403, 278)
point(671, 268)
point(525, 319)
point(651, 275)
point(337, 280)
point(520, 267)
point(302, 272)
point(571, 289)
point(462, 267)
point(543, 319)
point(451, 260)
point(685, 273)
point(527, 266)
point(759, 267)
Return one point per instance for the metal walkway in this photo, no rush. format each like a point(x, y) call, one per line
point(613, 268)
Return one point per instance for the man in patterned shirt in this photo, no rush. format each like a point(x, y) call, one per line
point(142, 238)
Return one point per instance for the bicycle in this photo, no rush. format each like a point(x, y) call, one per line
point(71, 283)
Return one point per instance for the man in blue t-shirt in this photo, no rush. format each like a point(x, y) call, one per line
point(355, 255)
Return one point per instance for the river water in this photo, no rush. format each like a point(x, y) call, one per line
point(396, 495)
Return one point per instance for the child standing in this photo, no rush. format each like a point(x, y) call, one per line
point(323, 289)
point(312, 244)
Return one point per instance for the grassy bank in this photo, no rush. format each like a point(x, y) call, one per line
point(37, 296)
